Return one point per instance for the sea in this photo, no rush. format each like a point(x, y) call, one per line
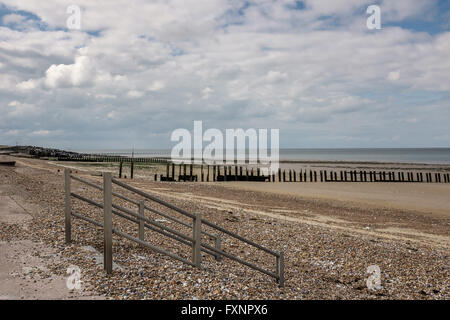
point(391, 155)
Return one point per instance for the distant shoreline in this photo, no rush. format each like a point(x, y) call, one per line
point(287, 155)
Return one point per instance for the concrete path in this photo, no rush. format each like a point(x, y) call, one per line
point(24, 264)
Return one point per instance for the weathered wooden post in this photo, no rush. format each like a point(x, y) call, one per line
point(120, 169)
point(173, 171)
point(201, 172)
point(107, 222)
point(279, 174)
point(141, 221)
point(280, 269)
point(207, 174)
point(190, 172)
point(197, 243)
point(218, 246)
point(68, 206)
point(290, 175)
point(315, 176)
point(294, 174)
point(167, 171)
point(235, 173)
point(284, 175)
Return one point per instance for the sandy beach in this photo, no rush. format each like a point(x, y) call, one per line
point(330, 234)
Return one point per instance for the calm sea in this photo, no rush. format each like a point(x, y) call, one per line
point(405, 155)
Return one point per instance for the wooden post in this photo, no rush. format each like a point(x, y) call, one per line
point(284, 175)
point(197, 243)
point(107, 222)
point(218, 246)
point(173, 171)
point(201, 172)
point(167, 171)
point(190, 172)
point(294, 174)
point(68, 207)
point(235, 173)
point(321, 176)
point(132, 170)
point(290, 175)
point(280, 269)
point(207, 174)
point(214, 173)
point(141, 222)
point(120, 169)
point(279, 174)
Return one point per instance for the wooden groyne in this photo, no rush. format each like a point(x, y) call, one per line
point(212, 173)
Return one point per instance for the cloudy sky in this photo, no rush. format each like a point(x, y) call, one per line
point(137, 70)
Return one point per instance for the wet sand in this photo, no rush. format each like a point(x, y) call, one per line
point(427, 198)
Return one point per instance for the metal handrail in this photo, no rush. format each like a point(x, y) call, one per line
point(206, 222)
point(137, 203)
point(279, 255)
point(144, 222)
point(169, 235)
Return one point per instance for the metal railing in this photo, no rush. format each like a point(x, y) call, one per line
point(194, 240)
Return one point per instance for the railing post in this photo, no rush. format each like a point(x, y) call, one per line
point(280, 269)
point(107, 222)
point(68, 209)
point(218, 246)
point(141, 222)
point(197, 243)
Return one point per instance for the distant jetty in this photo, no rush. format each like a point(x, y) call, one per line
point(63, 155)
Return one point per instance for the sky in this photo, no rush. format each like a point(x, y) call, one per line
point(137, 70)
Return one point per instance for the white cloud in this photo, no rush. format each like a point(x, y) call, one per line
point(393, 75)
point(77, 74)
point(135, 94)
